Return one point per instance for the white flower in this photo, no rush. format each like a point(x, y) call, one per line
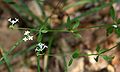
point(115, 26)
point(13, 21)
point(30, 37)
point(27, 33)
point(25, 39)
point(40, 47)
point(27, 36)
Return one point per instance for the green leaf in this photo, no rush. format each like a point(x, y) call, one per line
point(96, 59)
point(68, 19)
point(92, 11)
point(1, 62)
point(77, 35)
point(77, 3)
point(117, 31)
point(68, 23)
point(7, 61)
point(107, 58)
point(70, 62)
point(118, 21)
point(8, 1)
point(112, 13)
point(44, 31)
point(118, 1)
point(102, 51)
point(75, 54)
point(109, 30)
point(76, 24)
point(97, 48)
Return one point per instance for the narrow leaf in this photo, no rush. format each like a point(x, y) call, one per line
point(6, 59)
point(44, 31)
point(112, 13)
point(76, 4)
point(109, 30)
point(97, 48)
point(70, 62)
point(102, 51)
point(75, 54)
point(117, 31)
point(118, 21)
point(68, 19)
point(92, 11)
point(107, 58)
point(77, 35)
point(68, 22)
point(76, 24)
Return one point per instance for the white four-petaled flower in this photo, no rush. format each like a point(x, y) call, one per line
point(30, 37)
point(25, 39)
point(27, 33)
point(13, 21)
point(40, 47)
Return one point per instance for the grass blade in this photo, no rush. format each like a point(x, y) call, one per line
point(7, 61)
point(91, 11)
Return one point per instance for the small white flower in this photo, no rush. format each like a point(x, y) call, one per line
point(27, 33)
point(27, 36)
point(40, 47)
point(115, 26)
point(30, 37)
point(13, 21)
point(25, 39)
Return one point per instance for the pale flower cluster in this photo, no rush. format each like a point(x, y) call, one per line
point(27, 36)
point(40, 46)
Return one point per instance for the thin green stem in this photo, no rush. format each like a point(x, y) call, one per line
point(59, 54)
point(64, 59)
point(58, 30)
point(49, 50)
point(111, 48)
point(38, 63)
point(13, 47)
point(6, 59)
